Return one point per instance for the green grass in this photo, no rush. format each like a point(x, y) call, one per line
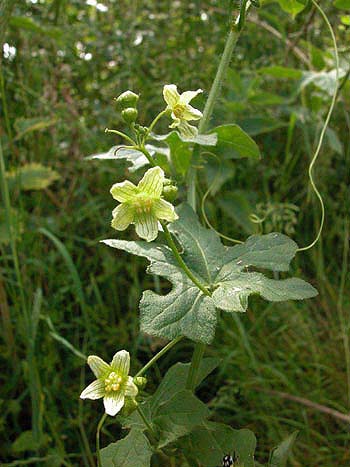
point(71, 296)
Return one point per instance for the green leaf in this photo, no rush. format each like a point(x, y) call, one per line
point(28, 24)
point(185, 310)
point(176, 377)
point(342, 4)
point(234, 143)
point(132, 451)
point(23, 126)
point(283, 72)
point(202, 140)
point(178, 416)
point(26, 442)
point(208, 443)
point(173, 383)
point(135, 157)
point(260, 125)
point(180, 153)
point(280, 454)
point(291, 6)
point(32, 176)
point(345, 20)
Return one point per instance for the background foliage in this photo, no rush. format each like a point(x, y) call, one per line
point(62, 65)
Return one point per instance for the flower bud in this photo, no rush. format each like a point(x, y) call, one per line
point(127, 99)
point(170, 193)
point(140, 381)
point(130, 115)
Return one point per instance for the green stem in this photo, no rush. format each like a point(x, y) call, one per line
point(230, 45)
point(147, 154)
point(158, 355)
point(155, 121)
point(123, 135)
point(98, 431)
point(195, 363)
point(181, 262)
point(209, 107)
point(152, 434)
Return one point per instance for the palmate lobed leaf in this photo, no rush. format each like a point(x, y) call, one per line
point(185, 310)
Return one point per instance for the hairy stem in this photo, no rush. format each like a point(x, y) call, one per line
point(195, 363)
point(209, 107)
point(230, 45)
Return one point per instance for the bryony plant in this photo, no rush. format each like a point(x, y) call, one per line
point(172, 426)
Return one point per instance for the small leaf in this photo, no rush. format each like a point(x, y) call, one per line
point(280, 454)
point(342, 4)
point(132, 451)
point(26, 442)
point(281, 72)
point(292, 6)
point(234, 143)
point(32, 176)
point(24, 126)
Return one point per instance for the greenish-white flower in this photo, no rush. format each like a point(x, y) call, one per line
point(113, 382)
point(142, 205)
point(181, 110)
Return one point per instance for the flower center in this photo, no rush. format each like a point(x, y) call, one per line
point(113, 382)
point(143, 205)
point(178, 110)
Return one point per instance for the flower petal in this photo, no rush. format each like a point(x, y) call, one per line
point(99, 367)
point(164, 210)
point(152, 182)
point(187, 130)
point(121, 363)
point(176, 122)
point(187, 96)
point(123, 215)
point(190, 113)
point(131, 388)
point(95, 390)
point(113, 402)
point(171, 95)
point(146, 225)
point(124, 191)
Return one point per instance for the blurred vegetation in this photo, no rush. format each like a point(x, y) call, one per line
point(63, 295)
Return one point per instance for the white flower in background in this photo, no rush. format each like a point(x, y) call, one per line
point(142, 205)
point(181, 110)
point(113, 382)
